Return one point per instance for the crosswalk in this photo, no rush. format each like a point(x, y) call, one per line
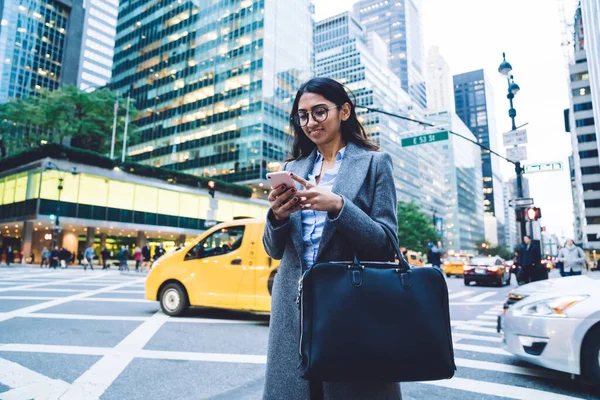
point(469, 296)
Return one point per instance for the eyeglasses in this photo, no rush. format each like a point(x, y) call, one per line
point(319, 114)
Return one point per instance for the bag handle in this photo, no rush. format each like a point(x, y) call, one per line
point(402, 263)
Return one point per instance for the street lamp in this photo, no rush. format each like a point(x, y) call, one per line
point(61, 177)
point(505, 69)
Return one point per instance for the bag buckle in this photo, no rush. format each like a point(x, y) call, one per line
point(404, 276)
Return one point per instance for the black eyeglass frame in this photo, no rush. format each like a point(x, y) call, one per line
point(296, 120)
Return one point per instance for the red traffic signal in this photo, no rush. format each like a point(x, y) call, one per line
point(533, 213)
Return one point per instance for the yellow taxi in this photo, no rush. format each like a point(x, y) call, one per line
point(226, 267)
point(453, 265)
point(414, 258)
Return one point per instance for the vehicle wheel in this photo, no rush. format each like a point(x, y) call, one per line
point(467, 283)
point(590, 355)
point(173, 300)
point(447, 275)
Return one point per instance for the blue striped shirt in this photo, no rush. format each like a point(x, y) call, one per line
point(314, 221)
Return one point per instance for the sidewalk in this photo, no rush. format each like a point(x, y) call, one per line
point(75, 267)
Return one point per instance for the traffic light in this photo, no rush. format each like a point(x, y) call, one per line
point(211, 188)
point(533, 213)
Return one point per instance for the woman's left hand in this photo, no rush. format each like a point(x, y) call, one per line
point(317, 198)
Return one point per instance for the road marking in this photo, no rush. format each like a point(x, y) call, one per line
point(94, 382)
point(27, 298)
point(510, 369)
point(35, 285)
point(481, 349)
point(59, 290)
point(459, 294)
point(58, 301)
point(28, 384)
point(466, 327)
point(479, 322)
point(495, 389)
point(496, 313)
point(460, 336)
point(84, 317)
point(212, 357)
point(56, 349)
point(481, 297)
point(130, 291)
point(212, 321)
point(118, 300)
point(487, 317)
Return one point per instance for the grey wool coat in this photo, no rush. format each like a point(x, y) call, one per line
point(366, 184)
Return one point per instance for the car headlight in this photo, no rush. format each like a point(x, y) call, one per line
point(555, 307)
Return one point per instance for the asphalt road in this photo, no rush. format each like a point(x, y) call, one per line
point(70, 334)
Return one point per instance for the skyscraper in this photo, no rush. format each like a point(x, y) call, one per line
point(399, 25)
point(97, 50)
point(585, 164)
point(474, 105)
point(438, 80)
point(345, 51)
point(214, 82)
point(40, 42)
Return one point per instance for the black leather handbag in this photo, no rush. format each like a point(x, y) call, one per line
point(374, 321)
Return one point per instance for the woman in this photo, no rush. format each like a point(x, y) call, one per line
point(348, 194)
point(137, 256)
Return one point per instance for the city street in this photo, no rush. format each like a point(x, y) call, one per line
point(74, 334)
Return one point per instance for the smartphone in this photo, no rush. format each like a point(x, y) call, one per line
point(280, 178)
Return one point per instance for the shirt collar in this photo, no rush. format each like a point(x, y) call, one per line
point(339, 156)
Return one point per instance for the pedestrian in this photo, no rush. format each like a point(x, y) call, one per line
point(137, 256)
point(146, 255)
point(159, 251)
point(10, 255)
point(348, 194)
point(105, 254)
point(80, 257)
point(529, 262)
point(89, 257)
point(55, 257)
point(45, 257)
point(573, 259)
point(124, 258)
point(434, 256)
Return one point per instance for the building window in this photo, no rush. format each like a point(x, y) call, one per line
point(584, 122)
point(582, 106)
point(590, 171)
point(588, 154)
point(581, 91)
point(590, 187)
point(590, 137)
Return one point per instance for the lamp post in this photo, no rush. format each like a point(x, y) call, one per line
point(61, 177)
point(505, 69)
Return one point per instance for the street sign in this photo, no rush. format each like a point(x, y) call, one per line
point(547, 167)
point(514, 138)
point(516, 153)
point(520, 202)
point(424, 139)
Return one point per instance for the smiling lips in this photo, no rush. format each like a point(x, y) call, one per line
point(315, 132)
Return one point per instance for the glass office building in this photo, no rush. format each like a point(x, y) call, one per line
point(214, 81)
point(399, 25)
point(345, 51)
point(40, 41)
point(474, 105)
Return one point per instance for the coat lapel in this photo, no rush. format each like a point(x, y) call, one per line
point(349, 180)
point(301, 168)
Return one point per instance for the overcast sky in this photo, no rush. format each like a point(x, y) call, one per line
point(472, 34)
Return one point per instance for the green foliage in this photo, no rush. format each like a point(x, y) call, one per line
point(60, 152)
point(487, 249)
point(415, 228)
point(86, 118)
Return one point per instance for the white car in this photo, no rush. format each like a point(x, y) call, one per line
point(555, 324)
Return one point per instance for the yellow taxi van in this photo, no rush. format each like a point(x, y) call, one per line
point(226, 267)
point(454, 264)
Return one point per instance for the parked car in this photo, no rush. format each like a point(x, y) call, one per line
point(453, 265)
point(415, 259)
point(555, 324)
point(491, 270)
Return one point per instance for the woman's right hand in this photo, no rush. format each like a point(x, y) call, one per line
point(283, 202)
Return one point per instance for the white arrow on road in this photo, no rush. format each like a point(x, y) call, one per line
point(28, 384)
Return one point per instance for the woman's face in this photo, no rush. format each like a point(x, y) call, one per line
point(328, 130)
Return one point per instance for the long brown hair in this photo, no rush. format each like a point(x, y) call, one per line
point(352, 130)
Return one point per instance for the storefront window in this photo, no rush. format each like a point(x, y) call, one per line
point(9, 190)
point(33, 185)
point(168, 202)
point(120, 195)
point(146, 199)
point(93, 190)
point(188, 205)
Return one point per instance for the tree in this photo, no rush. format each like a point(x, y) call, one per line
point(415, 228)
point(67, 113)
point(487, 249)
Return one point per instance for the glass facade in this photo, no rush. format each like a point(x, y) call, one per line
point(346, 52)
point(399, 25)
point(32, 41)
point(98, 43)
point(214, 81)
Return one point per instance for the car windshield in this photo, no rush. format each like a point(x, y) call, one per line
point(484, 261)
point(456, 259)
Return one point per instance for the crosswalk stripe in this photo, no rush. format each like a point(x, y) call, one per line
point(459, 336)
point(481, 349)
point(481, 297)
point(496, 313)
point(511, 369)
point(474, 328)
point(479, 322)
point(490, 317)
point(459, 294)
point(495, 389)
